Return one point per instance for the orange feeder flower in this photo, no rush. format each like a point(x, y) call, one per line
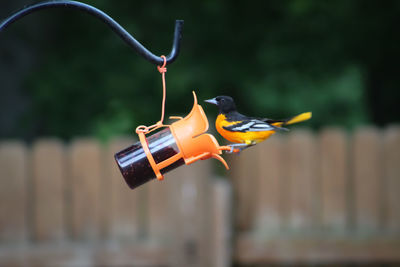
point(183, 142)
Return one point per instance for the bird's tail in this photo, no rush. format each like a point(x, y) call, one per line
point(299, 118)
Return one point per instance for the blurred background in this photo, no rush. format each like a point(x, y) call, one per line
point(70, 88)
point(275, 58)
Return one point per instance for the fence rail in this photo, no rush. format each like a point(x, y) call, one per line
point(309, 197)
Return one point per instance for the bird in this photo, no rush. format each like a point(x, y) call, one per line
point(246, 131)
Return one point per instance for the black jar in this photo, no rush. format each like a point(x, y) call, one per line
point(133, 162)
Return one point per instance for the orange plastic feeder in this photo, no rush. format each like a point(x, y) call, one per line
point(183, 142)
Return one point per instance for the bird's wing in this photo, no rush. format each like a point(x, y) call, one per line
point(272, 120)
point(252, 125)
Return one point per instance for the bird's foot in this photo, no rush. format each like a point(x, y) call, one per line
point(237, 148)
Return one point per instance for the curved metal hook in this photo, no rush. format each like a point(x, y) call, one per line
point(118, 29)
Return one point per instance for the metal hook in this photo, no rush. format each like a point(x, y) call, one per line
point(118, 29)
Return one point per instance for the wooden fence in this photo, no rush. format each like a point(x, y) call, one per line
point(330, 197)
point(68, 205)
point(298, 197)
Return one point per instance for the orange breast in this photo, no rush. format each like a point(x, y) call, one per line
point(239, 137)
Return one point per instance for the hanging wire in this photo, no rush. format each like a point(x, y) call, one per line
point(117, 28)
point(147, 129)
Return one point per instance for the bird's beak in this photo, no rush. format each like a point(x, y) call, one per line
point(211, 101)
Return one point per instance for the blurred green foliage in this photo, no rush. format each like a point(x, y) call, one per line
point(276, 58)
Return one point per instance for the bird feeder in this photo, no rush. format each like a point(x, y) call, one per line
point(183, 142)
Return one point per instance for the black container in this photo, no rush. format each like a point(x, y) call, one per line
point(135, 166)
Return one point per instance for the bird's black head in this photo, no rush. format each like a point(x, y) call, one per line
point(225, 104)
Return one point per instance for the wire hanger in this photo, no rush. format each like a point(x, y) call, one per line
point(117, 28)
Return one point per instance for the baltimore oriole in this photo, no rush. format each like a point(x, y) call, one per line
point(247, 131)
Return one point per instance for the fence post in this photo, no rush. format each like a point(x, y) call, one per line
point(13, 201)
point(48, 169)
point(268, 187)
point(392, 178)
point(303, 184)
point(85, 189)
point(244, 173)
point(334, 178)
point(222, 231)
point(367, 156)
point(13, 192)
